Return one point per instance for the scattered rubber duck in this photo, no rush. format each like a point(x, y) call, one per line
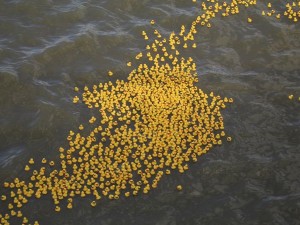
point(179, 187)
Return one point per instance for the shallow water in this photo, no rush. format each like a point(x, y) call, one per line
point(48, 47)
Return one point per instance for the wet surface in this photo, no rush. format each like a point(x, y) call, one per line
point(48, 47)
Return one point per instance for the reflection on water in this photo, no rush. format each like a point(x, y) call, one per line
point(47, 48)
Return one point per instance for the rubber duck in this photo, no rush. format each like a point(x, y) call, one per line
point(31, 161)
point(179, 187)
point(19, 214)
point(69, 206)
point(27, 168)
point(110, 73)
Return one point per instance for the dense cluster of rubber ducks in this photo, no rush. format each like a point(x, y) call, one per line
point(292, 11)
point(142, 129)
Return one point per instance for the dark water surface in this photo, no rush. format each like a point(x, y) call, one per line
point(48, 47)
